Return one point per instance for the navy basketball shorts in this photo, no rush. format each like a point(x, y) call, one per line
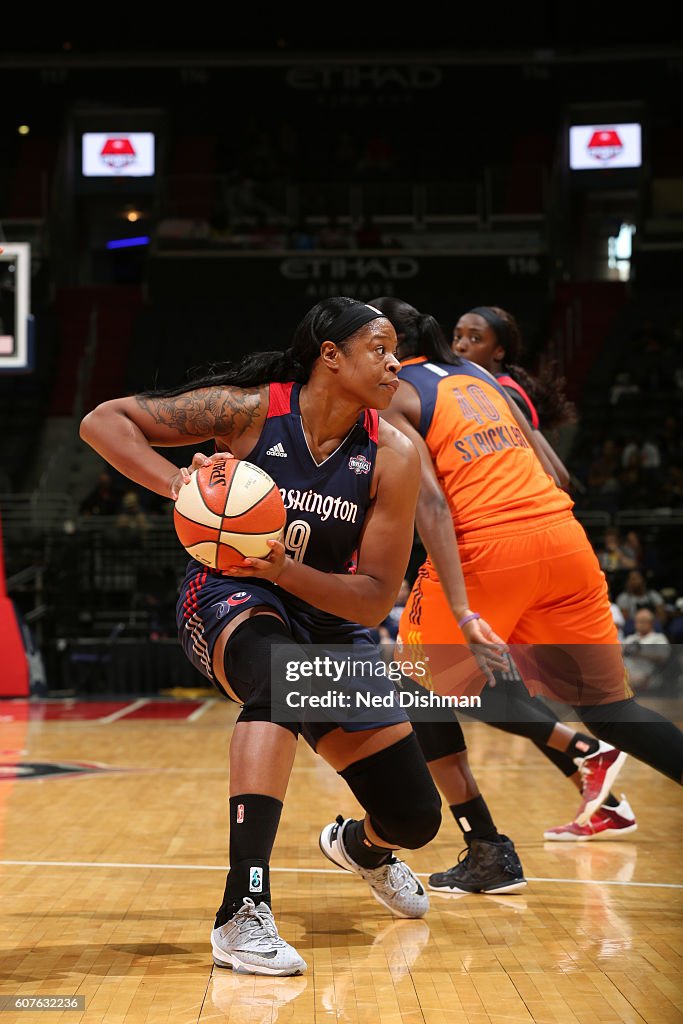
point(209, 601)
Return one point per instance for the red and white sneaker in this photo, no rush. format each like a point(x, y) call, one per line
point(598, 771)
point(606, 823)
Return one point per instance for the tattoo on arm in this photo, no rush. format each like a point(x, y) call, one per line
point(209, 412)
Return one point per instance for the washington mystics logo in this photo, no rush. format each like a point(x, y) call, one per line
point(223, 607)
point(359, 464)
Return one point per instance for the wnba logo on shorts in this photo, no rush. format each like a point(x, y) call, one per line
point(240, 813)
point(256, 880)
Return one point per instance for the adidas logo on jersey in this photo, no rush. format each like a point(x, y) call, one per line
point(278, 450)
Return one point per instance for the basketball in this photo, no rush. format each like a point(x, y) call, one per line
point(228, 511)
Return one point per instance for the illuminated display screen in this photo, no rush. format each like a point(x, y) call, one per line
point(602, 146)
point(118, 155)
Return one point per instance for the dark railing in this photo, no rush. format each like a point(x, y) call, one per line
point(219, 202)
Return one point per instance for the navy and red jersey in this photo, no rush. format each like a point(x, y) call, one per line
point(326, 502)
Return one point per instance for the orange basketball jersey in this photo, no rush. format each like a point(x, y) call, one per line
point(488, 471)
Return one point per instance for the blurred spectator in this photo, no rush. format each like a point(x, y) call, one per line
point(649, 360)
point(633, 548)
point(646, 450)
point(103, 500)
point(674, 627)
point(634, 488)
point(669, 594)
point(614, 555)
point(645, 652)
point(619, 620)
point(636, 595)
point(604, 468)
point(651, 371)
point(670, 441)
point(670, 491)
point(623, 385)
point(132, 522)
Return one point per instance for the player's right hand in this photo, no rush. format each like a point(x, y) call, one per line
point(270, 568)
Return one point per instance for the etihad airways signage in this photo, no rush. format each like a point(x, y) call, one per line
point(365, 78)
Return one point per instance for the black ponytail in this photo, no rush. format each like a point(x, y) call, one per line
point(419, 334)
point(256, 368)
point(547, 392)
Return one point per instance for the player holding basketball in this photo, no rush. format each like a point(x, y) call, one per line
point(314, 405)
point(505, 549)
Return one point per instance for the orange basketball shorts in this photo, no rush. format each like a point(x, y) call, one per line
point(540, 587)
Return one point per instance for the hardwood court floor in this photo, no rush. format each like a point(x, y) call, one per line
point(109, 881)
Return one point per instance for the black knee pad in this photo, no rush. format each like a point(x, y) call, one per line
point(508, 706)
point(248, 666)
point(438, 730)
point(618, 719)
point(439, 739)
point(395, 788)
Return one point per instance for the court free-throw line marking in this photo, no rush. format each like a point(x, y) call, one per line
point(122, 712)
point(296, 871)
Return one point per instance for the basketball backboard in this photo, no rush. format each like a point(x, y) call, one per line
point(16, 328)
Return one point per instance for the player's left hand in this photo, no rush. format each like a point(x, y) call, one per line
point(199, 459)
point(487, 647)
point(263, 568)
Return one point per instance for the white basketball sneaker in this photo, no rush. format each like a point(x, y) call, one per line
point(250, 944)
point(393, 884)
